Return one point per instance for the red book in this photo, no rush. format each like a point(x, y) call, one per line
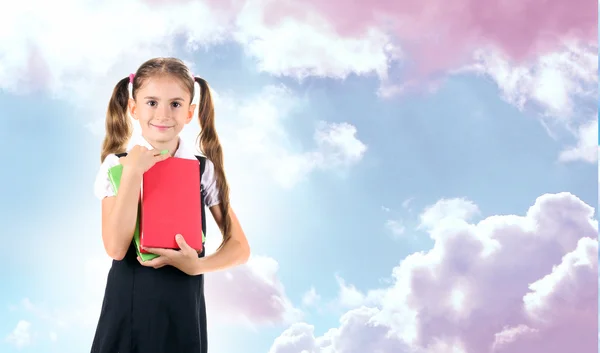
point(171, 204)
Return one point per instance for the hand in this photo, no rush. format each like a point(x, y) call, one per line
point(186, 259)
point(141, 159)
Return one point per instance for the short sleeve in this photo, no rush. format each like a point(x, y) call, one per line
point(102, 186)
point(209, 184)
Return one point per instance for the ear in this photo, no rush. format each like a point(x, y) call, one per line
point(191, 113)
point(131, 106)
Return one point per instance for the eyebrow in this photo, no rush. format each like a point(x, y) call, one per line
point(172, 99)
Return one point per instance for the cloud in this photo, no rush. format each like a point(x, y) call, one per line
point(253, 131)
point(561, 86)
point(21, 336)
point(323, 53)
point(249, 294)
point(440, 36)
point(55, 56)
point(62, 319)
point(41, 51)
point(311, 297)
point(394, 226)
point(448, 210)
point(350, 297)
point(553, 82)
point(587, 145)
point(505, 284)
point(406, 203)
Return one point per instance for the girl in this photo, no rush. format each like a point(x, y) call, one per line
point(150, 307)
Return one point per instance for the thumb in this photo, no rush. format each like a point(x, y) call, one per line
point(181, 242)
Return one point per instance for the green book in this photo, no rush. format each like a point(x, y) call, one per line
point(114, 174)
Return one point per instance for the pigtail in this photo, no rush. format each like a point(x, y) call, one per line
point(118, 124)
point(211, 147)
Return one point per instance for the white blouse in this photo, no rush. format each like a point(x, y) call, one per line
point(103, 187)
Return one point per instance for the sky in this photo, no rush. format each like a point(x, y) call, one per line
point(412, 176)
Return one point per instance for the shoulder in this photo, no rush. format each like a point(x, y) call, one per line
point(102, 186)
point(209, 183)
point(208, 174)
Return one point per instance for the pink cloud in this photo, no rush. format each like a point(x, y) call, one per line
point(251, 294)
point(508, 284)
point(443, 36)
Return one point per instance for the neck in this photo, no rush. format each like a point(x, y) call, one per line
point(171, 146)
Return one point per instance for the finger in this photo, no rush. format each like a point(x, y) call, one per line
point(183, 245)
point(161, 252)
point(157, 261)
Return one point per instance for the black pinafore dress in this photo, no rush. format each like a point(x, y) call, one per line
point(147, 310)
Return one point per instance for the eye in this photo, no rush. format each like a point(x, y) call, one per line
point(151, 103)
point(176, 104)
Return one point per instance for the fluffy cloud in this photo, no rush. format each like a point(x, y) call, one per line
point(448, 209)
point(439, 36)
point(561, 85)
point(505, 284)
point(57, 54)
point(40, 50)
point(395, 226)
point(21, 336)
point(587, 145)
point(311, 297)
point(553, 82)
point(250, 294)
point(323, 53)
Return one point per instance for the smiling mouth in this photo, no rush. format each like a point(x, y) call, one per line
point(160, 126)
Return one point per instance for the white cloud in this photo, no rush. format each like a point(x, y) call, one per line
point(406, 203)
point(21, 335)
point(554, 82)
point(250, 294)
point(561, 85)
point(254, 134)
point(299, 338)
point(587, 145)
point(463, 295)
point(396, 227)
point(456, 209)
point(323, 52)
point(311, 297)
point(40, 49)
point(349, 296)
point(510, 335)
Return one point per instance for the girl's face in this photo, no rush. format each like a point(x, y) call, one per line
point(162, 107)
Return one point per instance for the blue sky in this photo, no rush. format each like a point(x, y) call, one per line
point(461, 141)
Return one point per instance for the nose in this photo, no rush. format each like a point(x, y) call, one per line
point(163, 111)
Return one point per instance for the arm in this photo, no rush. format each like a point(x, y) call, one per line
point(119, 215)
point(234, 252)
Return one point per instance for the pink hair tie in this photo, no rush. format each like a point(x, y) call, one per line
point(131, 76)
